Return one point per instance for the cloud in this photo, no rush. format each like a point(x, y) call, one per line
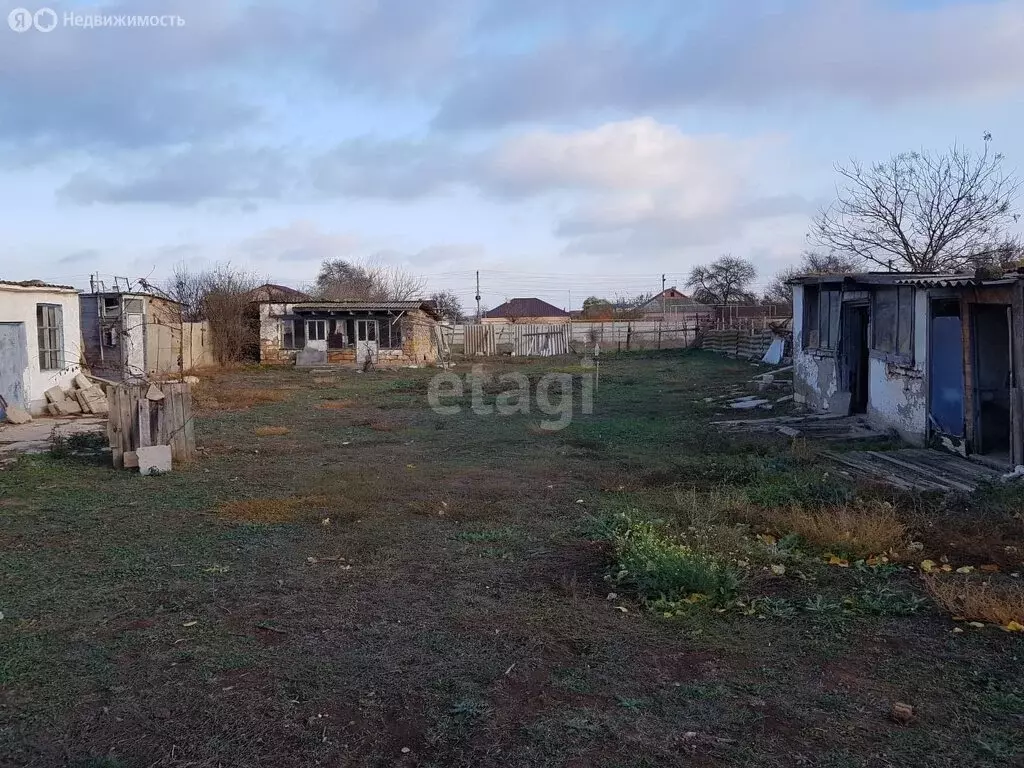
point(78, 257)
point(747, 53)
point(298, 242)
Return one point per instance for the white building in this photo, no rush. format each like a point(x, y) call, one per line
point(40, 342)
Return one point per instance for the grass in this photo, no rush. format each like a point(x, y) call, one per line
point(861, 529)
point(451, 585)
point(977, 600)
point(271, 431)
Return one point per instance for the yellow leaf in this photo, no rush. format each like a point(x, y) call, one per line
point(990, 568)
point(834, 560)
point(927, 566)
point(965, 569)
point(947, 568)
point(779, 570)
point(1014, 626)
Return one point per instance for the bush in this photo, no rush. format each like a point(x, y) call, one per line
point(658, 567)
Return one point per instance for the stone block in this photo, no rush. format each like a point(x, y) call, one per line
point(52, 409)
point(131, 460)
point(82, 400)
point(82, 381)
point(16, 415)
point(154, 460)
point(67, 407)
point(53, 394)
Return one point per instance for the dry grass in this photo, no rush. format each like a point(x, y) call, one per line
point(977, 600)
point(271, 510)
point(210, 398)
point(271, 431)
point(857, 529)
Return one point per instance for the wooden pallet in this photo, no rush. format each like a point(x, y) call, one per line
point(916, 469)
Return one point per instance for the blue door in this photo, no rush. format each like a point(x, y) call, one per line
point(946, 369)
point(13, 362)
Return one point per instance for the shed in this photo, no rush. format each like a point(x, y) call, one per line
point(40, 341)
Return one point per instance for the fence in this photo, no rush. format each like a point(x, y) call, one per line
point(144, 415)
point(750, 345)
point(544, 340)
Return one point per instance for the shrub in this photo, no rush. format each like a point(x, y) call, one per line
point(977, 600)
point(658, 567)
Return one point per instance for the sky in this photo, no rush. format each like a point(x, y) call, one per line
point(562, 148)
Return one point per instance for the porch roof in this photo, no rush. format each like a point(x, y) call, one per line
point(362, 307)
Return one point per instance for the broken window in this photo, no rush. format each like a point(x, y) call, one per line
point(892, 322)
point(111, 306)
point(821, 317)
point(50, 323)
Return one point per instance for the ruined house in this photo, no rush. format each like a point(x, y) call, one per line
point(136, 335)
point(937, 358)
point(349, 332)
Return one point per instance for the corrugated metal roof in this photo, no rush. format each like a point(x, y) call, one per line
point(867, 278)
point(958, 281)
point(37, 284)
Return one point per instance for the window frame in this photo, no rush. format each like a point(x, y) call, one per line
point(51, 358)
point(814, 299)
point(905, 309)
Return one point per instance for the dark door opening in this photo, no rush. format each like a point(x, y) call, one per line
point(946, 368)
point(855, 355)
point(992, 379)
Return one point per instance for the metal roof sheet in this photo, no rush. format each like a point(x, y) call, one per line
point(37, 284)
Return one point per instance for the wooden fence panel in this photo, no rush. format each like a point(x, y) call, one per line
point(137, 420)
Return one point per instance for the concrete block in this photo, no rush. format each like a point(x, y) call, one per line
point(82, 400)
point(51, 409)
point(67, 407)
point(16, 415)
point(131, 460)
point(82, 381)
point(310, 357)
point(154, 394)
point(154, 460)
point(53, 394)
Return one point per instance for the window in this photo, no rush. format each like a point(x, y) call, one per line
point(133, 306)
point(111, 306)
point(390, 332)
point(336, 334)
point(293, 334)
point(366, 330)
point(316, 330)
point(821, 317)
point(892, 323)
point(49, 319)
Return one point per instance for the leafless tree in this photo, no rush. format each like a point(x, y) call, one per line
point(724, 281)
point(342, 279)
point(811, 263)
point(920, 211)
point(220, 296)
point(448, 306)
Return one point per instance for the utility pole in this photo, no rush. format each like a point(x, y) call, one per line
point(662, 298)
point(478, 318)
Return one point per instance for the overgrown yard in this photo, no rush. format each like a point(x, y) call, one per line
point(345, 577)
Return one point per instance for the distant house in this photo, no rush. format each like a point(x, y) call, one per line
point(136, 335)
point(40, 342)
point(672, 305)
point(937, 358)
point(349, 332)
point(271, 292)
point(526, 311)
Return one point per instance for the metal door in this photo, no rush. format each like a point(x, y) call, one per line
point(13, 364)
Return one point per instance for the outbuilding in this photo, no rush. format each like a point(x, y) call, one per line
point(936, 357)
point(40, 342)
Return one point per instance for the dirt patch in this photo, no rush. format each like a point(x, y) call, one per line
point(272, 510)
point(271, 431)
point(206, 397)
point(337, 405)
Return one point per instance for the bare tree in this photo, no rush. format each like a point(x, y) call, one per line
point(724, 281)
point(448, 306)
point(342, 279)
point(220, 296)
point(920, 211)
point(811, 263)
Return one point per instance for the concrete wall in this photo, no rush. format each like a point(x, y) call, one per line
point(18, 305)
point(556, 320)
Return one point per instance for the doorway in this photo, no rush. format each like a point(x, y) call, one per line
point(366, 341)
point(946, 368)
point(13, 364)
point(993, 379)
point(854, 362)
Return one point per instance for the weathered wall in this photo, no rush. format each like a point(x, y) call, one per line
point(815, 375)
point(165, 343)
point(271, 352)
point(18, 305)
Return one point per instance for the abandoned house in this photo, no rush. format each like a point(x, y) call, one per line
point(135, 335)
point(349, 332)
point(935, 357)
point(672, 305)
point(40, 342)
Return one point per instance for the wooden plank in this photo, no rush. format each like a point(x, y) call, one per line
point(189, 422)
point(114, 426)
point(124, 403)
point(175, 426)
point(945, 483)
